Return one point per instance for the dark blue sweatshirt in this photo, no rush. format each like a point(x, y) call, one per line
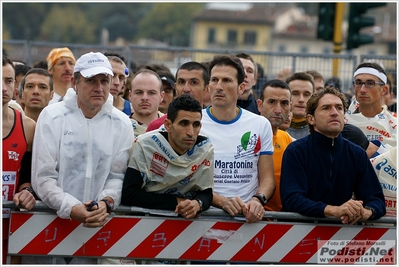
point(318, 171)
point(249, 104)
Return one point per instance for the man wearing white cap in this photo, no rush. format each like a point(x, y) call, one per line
point(366, 112)
point(81, 149)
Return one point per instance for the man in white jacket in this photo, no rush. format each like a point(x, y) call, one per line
point(82, 146)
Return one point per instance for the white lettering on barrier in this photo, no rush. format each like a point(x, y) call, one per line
point(159, 240)
point(48, 237)
point(356, 251)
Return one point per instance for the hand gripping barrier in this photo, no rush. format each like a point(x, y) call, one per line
point(213, 237)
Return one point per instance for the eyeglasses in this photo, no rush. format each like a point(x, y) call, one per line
point(368, 83)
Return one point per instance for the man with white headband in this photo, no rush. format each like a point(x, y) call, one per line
point(81, 150)
point(366, 112)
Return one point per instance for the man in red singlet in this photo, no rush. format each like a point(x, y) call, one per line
point(18, 132)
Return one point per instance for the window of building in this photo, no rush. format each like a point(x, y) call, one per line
point(211, 36)
point(231, 36)
point(326, 50)
point(304, 49)
point(250, 38)
point(281, 48)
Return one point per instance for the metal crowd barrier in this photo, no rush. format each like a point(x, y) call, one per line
point(146, 234)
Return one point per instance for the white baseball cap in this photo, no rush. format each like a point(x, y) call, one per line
point(91, 64)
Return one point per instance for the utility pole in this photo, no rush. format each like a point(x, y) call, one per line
point(337, 38)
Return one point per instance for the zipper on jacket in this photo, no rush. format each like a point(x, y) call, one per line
point(89, 174)
point(331, 159)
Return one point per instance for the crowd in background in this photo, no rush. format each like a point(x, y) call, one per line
point(218, 134)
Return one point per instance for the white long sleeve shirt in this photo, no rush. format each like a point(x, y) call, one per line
point(382, 127)
point(75, 159)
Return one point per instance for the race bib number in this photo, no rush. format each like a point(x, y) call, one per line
point(6, 213)
point(9, 179)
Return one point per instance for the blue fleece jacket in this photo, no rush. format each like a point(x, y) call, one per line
point(318, 171)
point(249, 104)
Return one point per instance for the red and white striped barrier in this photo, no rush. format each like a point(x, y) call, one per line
point(180, 239)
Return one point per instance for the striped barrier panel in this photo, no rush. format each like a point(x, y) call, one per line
point(144, 237)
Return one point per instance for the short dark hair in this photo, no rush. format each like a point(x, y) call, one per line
point(315, 74)
point(21, 69)
point(41, 64)
point(303, 76)
point(113, 54)
point(247, 56)
point(229, 60)
point(372, 65)
point(183, 102)
point(313, 102)
point(7, 60)
point(273, 83)
point(116, 59)
point(333, 82)
point(39, 71)
point(194, 65)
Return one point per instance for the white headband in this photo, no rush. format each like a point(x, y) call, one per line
point(371, 71)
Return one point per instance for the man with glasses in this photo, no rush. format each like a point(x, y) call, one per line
point(366, 112)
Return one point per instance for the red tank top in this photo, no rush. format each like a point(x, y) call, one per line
point(14, 148)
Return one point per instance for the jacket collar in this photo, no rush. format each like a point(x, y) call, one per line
point(71, 101)
point(326, 142)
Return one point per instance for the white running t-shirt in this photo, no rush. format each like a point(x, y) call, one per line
point(237, 147)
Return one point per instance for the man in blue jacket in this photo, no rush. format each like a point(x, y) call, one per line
point(324, 174)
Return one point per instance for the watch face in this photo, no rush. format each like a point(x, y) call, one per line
point(261, 197)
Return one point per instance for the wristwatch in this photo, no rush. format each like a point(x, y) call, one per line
point(372, 213)
point(30, 190)
point(109, 208)
point(262, 198)
point(200, 204)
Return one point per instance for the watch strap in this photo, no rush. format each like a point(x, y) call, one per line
point(200, 205)
point(30, 190)
point(372, 213)
point(109, 208)
point(261, 198)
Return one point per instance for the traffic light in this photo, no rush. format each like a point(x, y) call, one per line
point(325, 26)
point(357, 20)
